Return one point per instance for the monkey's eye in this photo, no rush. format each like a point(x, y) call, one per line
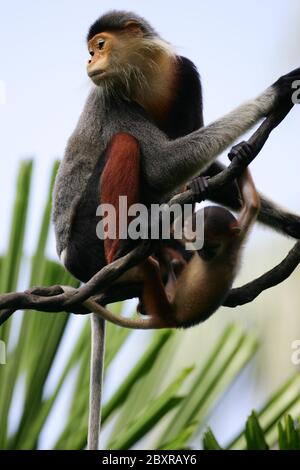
point(101, 44)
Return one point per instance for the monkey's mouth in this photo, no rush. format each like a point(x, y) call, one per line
point(96, 73)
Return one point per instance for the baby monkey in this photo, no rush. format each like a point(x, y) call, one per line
point(205, 280)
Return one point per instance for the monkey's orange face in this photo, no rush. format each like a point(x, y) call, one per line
point(100, 49)
point(126, 63)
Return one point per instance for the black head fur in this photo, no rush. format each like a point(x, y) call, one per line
point(116, 20)
point(217, 221)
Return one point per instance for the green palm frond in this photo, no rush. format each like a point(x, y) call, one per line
point(288, 435)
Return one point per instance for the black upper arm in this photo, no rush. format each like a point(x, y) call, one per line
point(186, 113)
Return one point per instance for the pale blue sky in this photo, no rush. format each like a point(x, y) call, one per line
point(239, 47)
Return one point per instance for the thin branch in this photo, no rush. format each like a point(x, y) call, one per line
point(138, 323)
point(6, 314)
point(249, 292)
point(96, 380)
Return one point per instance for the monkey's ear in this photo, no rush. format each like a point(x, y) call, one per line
point(133, 28)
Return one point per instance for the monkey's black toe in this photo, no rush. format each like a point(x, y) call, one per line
point(285, 89)
point(243, 152)
point(200, 188)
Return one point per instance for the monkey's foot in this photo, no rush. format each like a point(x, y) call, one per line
point(243, 152)
point(200, 189)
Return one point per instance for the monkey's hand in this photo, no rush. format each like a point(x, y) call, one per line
point(242, 152)
point(125, 246)
point(200, 189)
point(285, 87)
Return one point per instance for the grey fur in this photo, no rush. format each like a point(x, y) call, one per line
point(166, 164)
